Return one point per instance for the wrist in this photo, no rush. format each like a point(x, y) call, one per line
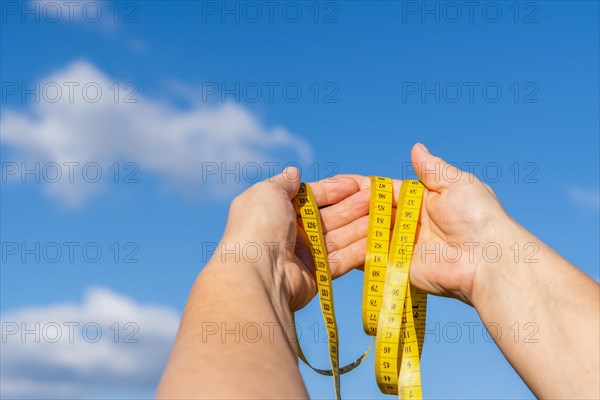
point(253, 263)
point(237, 252)
point(499, 258)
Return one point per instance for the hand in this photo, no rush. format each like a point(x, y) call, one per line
point(263, 217)
point(458, 209)
point(460, 216)
point(260, 272)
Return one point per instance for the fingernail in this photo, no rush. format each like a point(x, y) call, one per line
point(424, 148)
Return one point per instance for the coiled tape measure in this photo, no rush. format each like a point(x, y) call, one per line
point(392, 311)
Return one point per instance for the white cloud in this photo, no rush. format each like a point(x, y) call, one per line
point(173, 143)
point(586, 198)
point(75, 365)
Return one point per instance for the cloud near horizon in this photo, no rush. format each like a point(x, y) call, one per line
point(586, 198)
point(181, 146)
point(64, 354)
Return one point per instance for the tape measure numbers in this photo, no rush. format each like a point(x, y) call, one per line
point(397, 366)
point(392, 311)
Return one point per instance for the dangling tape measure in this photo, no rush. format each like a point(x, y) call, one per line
point(392, 311)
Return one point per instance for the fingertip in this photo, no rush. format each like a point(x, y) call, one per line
point(422, 147)
point(418, 152)
point(291, 173)
point(427, 167)
point(418, 156)
point(291, 179)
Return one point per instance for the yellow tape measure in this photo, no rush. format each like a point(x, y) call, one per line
point(392, 311)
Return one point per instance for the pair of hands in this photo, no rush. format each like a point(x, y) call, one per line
point(465, 248)
point(459, 216)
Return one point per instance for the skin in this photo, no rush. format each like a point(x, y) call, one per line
point(460, 214)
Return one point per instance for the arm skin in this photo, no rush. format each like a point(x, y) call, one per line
point(562, 359)
point(207, 362)
point(562, 302)
point(222, 365)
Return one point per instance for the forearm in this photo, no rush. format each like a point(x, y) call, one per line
point(236, 339)
point(557, 302)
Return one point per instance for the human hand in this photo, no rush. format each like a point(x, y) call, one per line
point(264, 218)
point(460, 216)
point(458, 209)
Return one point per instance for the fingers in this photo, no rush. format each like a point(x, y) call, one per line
point(344, 201)
point(343, 260)
point(435, 173)
point(348, 234)
point(288, 181)
point(347, 245)
point(352, 207)
point(332, 190)
point(346, 211)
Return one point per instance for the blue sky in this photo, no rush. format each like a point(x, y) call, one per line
point(510, 89)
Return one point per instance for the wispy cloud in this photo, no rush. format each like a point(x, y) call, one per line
point(587, 198)
point(104, 16)
point(121, 124)
point(99, 14)
point(108, 345)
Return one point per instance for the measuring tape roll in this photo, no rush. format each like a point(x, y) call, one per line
point(392, 310)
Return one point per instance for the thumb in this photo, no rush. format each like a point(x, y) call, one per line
point(288, 181)
point(435, 173)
